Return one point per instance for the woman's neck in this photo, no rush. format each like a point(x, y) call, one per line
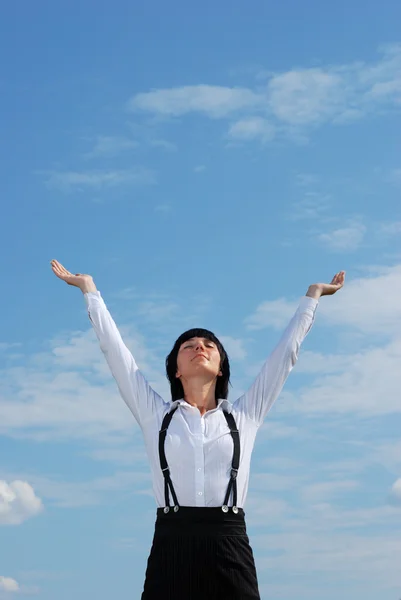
point(200, 394)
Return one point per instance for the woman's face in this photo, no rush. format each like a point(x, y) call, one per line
point(198, 356)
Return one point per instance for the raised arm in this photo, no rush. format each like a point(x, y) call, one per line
point(258, 400)
point(140, 398)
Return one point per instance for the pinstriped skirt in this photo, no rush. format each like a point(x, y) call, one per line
point(200, 554)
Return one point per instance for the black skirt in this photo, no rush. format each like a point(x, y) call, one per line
point(200, 554)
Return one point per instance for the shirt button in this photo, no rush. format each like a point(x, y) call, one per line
point(199, 470)
point(199, 493)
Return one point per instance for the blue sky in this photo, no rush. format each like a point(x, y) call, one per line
point(205, 164)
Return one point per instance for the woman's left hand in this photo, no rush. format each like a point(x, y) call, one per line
point(327, 289)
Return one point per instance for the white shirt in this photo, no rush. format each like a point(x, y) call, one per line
point(199, 448)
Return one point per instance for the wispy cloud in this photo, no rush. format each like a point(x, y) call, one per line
point(272, 313)
point(164, 145)
point(390, 229)
point(327, 490)
point(108, 146)
point(213, 101)
point(306, 96)
point(344, 239)
point(312, 206)
point(306, 179)
point(288, 102)
point(67, 181)
point(71, 494)
point(252, 128)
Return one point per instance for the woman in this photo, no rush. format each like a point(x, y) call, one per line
point(199, 446)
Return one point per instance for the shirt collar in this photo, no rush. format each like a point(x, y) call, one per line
point(222, 404)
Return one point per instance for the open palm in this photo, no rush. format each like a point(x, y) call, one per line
point(77, 280)
point(336, 284)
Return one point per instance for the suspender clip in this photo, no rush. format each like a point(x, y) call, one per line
point(234, 473)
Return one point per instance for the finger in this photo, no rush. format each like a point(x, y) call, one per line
point(60, 271)
point(56, 267)
point(65, 271)
point(60, 267)
point(58, 274)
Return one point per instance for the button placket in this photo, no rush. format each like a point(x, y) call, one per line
point(199, 465)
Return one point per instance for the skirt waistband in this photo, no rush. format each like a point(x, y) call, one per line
point(192, 520)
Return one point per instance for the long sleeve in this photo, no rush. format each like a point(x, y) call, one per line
point(140, 398)
point(259, 399)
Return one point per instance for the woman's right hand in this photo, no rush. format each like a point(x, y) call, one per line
point(84, 282)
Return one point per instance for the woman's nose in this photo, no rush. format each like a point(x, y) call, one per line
point(199, 346)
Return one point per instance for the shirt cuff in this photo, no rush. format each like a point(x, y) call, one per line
point(308, 302)
point(90, 296)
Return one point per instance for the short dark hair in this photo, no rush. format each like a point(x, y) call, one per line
point(223, 381)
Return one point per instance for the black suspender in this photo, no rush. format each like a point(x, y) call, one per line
point(168, 484)
point(232, 484)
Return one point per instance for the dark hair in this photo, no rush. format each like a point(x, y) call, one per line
point(177, 391)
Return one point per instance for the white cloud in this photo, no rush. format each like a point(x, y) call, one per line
point(366, 381)
point(106, 146)
point(315, 362)
point(233, 346)
point(368, 384)
point(369, 305)
point(274, 313)
point(327, 490)
point(214, 101)
point(74, 494)
point(383, 78)
point(251, 128)
point(289, 101)
point(7, 584)
point(306, 96)
point(273, 430)
point(340, 556)
point(345, 239)
point(18, 502)
point(68, 392)
point(96, 180)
